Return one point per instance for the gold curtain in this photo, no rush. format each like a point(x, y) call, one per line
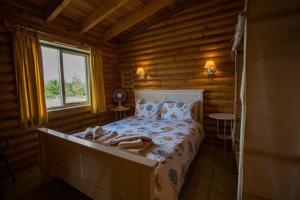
point(97, 83)
point(29, 76)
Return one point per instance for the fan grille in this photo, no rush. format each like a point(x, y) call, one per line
point(119, 95)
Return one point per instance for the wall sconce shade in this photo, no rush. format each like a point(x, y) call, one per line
point(210, 66)
point(140, 72)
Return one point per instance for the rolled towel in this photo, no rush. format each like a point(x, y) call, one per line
point(131, 144)
point(88, 134)
point(129, 138)
point(94, 133)
point(107, 136)
point(98, 131)
point(108, 142)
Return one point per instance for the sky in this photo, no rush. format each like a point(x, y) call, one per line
point(72, 64)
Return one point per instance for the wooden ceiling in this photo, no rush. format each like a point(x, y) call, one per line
point(113, 20)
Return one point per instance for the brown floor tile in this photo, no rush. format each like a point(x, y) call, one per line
point(213, 195)
point(223, 180)
point(194, 192)
point(206, 155)
point(201, 175)
point(55, 189)
point(224, 159)
point(253, 197)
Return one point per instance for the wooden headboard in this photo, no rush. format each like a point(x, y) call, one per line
point(174, 95)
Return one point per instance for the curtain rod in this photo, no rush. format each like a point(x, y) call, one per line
point(10, 25)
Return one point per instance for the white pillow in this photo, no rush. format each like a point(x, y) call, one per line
point(177, 110)
point(149, 109)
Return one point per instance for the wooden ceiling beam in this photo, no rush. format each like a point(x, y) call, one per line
point(56, 9)
point(138, 15)
point(179, 6)
point(101, 13)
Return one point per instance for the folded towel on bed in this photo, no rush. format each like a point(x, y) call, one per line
point(106, 137)
point(140, 150)
point(108, 142)
point(129, 138)
point(131, 143)
point(94, 133)
point(98, 131)
point(136, 144)
point(88, 134)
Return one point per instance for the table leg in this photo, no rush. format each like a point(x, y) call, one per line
point(116, 115)
point(231, 130)
point(224, 137)
point(217, 129)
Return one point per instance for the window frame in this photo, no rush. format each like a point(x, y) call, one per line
point(73, 51)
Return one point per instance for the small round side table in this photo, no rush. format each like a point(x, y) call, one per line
point(120, 111)
point(224, 117)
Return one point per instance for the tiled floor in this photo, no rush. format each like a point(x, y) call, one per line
point(210, 178)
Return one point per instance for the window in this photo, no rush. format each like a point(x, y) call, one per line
point(65, 76)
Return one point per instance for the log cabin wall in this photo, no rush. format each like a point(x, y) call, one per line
point(173, 54)
point(23, 147)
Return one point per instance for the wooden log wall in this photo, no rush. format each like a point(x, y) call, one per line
point(173, 54)
point(23, 147)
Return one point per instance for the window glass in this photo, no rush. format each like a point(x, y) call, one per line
point(75, 78)
point(65, 76)
point(51, 68)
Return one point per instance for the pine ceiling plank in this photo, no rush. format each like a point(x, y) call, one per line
point(136, 16)
point(56, 9)
point(156, 19)
point(101, 13)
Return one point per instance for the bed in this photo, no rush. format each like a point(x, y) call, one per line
point(103, 172)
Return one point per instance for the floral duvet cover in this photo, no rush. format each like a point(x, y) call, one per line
point(175, 145)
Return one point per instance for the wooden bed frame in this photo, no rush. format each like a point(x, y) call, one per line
point(103, 172)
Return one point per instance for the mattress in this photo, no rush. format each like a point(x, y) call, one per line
point(175, 145)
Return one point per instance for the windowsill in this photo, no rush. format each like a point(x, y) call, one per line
point(67, 108)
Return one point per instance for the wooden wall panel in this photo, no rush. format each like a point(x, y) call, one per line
point(23, 147)
point(174, 51)
point(270, 156)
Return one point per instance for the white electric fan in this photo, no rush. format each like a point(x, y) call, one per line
point(119, 96)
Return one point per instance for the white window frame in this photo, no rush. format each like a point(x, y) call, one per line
point(75, 51)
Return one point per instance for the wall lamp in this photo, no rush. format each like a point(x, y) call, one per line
point(141, 73)
point(210, 66)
